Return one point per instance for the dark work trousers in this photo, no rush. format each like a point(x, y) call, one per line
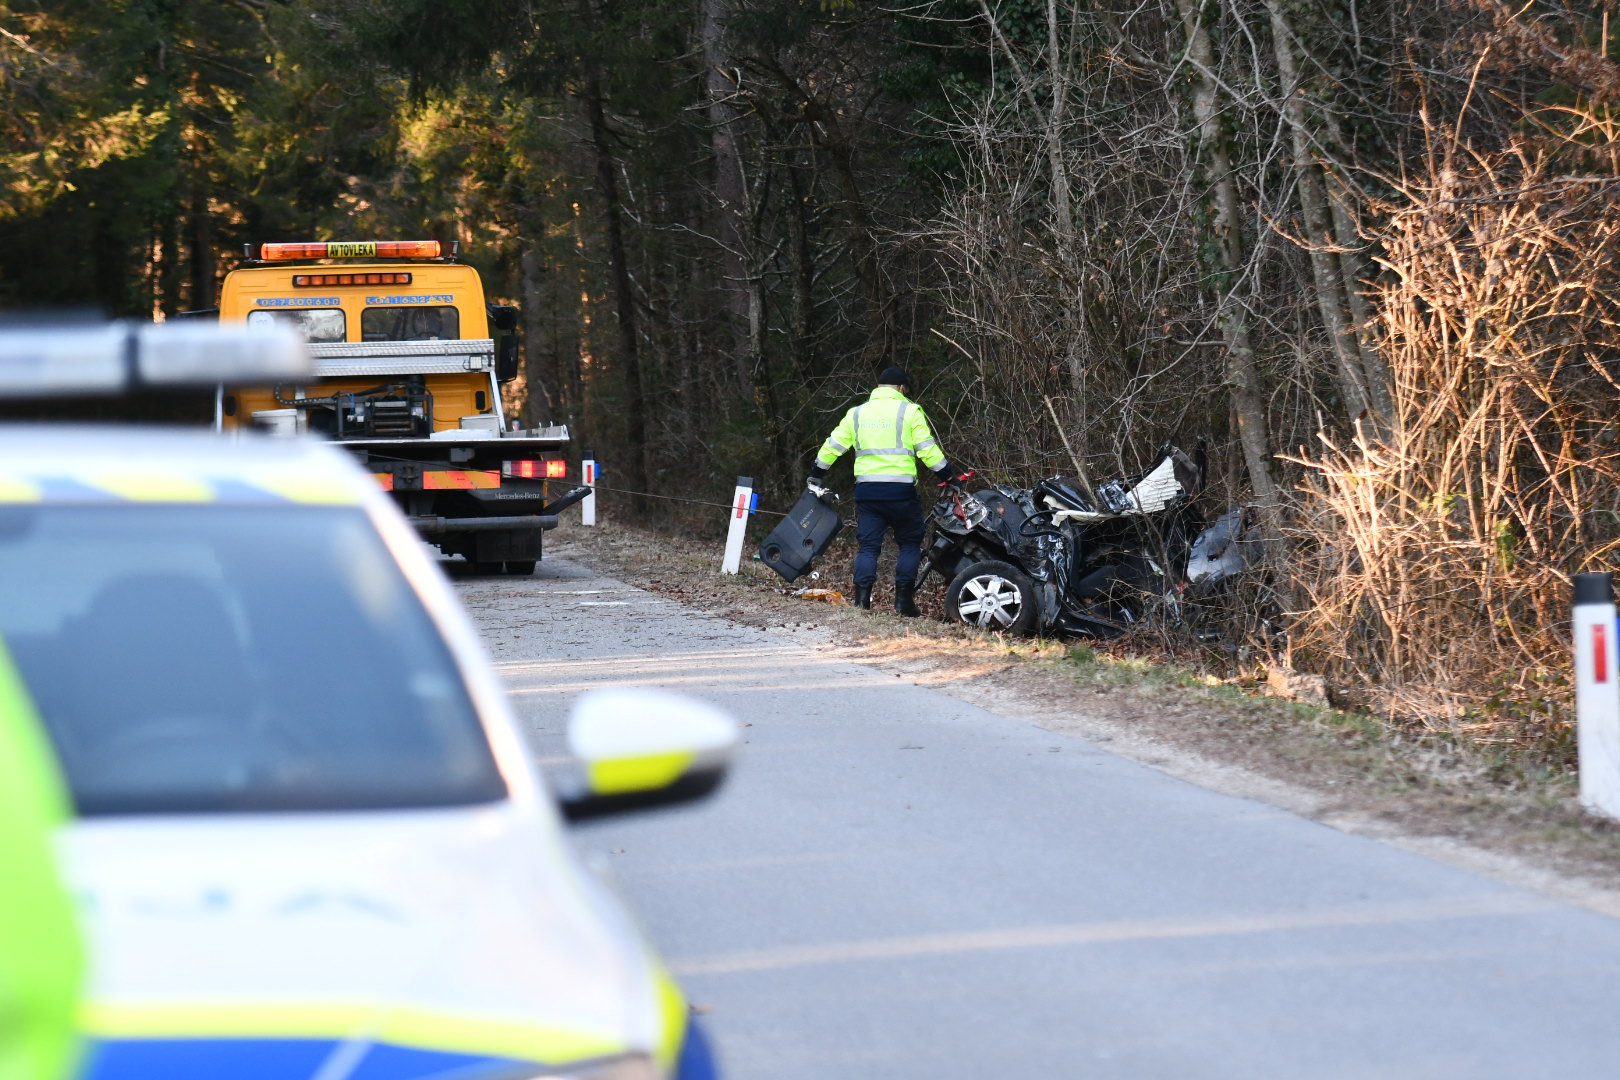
point(876, 517)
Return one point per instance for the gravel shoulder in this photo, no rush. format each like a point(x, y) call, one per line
point(1346, 771)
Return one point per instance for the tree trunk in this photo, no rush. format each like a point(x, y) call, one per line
point(827, 135)
point(862, 244)
point(1320, 240)
point(1063, 205)
point(202, 241)
point(730, 193)
point(169, 266)
point(607, 188)
point(1353, 269)
point(801, 278)
point(572, 299)
point(539, 361)
point(1242, 374)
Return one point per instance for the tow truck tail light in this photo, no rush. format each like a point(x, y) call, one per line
point(554, 469)
point(352, 249)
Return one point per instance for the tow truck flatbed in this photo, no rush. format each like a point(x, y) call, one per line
point(551, 438)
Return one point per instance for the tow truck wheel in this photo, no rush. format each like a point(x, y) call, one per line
point(521, 567)
point(993, 595)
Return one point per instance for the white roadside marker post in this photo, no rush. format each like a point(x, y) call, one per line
point(743, 502)
point(1597, 693)
point(587, 476)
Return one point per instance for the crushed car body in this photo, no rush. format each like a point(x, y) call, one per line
point(1062, 558)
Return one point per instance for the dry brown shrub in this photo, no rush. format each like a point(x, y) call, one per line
point(1437, 554)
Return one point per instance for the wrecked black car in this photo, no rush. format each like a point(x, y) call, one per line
point(1062, 558)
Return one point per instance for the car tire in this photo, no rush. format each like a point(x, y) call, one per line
point(993, 595)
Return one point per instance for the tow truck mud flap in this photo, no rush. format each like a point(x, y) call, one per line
point(801, 537)
point(489, 539)
point(506, 545)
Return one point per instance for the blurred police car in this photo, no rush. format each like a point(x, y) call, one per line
point(310, 843)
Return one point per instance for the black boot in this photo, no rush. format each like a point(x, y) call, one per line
point(863, 596)
point(903, 604)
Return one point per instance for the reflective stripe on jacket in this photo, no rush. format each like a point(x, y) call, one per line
point(888, 434)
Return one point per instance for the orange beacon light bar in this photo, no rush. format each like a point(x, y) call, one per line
point(352, 249)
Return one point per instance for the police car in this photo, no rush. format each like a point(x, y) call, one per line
point(310, 842)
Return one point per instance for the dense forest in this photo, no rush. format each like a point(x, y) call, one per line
point(1367, 248)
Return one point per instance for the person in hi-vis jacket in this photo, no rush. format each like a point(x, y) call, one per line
point(41, 954)
point(888, 434)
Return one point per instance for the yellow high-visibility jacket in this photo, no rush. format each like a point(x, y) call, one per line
point(41, 957)
point(888, 434)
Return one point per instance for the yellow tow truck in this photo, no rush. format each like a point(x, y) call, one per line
point(409, 358)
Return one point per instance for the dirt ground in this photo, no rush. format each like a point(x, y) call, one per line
point(1344, 770)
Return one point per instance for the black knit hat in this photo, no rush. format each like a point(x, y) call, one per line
point(894, 375)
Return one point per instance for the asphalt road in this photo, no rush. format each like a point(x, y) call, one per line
point(895, 884)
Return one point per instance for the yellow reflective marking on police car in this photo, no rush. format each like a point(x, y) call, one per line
point(148, 485)
point(14, 489)
point(399, 1025)
point(313, 488)
point(673, 1011)
point(616, 776)
point(358, 249)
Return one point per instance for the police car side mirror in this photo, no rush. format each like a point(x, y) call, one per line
point(640, 748)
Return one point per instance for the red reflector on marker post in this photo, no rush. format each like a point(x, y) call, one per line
point(588, 474)
point(742, 501)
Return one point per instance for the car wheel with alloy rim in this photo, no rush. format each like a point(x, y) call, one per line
point(993, 595)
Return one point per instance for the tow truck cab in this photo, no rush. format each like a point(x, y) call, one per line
point(409, 357)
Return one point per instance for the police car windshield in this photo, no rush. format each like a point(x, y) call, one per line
point(219, 658)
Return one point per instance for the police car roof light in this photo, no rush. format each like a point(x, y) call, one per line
point(114, 358)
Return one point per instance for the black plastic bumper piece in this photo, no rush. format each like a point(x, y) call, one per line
point(567, 500)
point(801, 537)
